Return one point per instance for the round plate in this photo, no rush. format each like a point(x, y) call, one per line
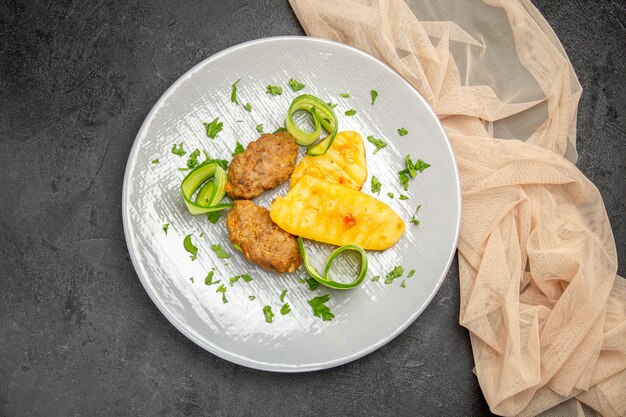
point(365, 318)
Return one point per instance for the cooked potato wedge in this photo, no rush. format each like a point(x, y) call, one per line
point(331, 213)
point(343, 163)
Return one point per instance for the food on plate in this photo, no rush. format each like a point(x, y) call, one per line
point(323, 117)
point(324, 203)
point(209, 180)
point(331, 213)
point(343, 163)
point(326, 279)
point(266, 162)
point(377, 142)
point(260, 239)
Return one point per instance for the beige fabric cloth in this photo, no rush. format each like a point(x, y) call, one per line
point(539, 292)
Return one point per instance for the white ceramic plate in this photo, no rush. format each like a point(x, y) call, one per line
point(365, 318)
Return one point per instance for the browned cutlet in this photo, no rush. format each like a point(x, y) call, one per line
point(261, 240)
point(266, 162)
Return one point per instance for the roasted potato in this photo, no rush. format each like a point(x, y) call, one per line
point(331, 213)
point(343, 163)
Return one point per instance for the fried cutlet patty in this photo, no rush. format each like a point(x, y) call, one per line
point(266, 162)
point(261, 240)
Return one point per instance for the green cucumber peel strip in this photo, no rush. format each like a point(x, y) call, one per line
point(211, 192)
point(326, 280)
point(322, 146)
point(204, 195)
point(323, 117)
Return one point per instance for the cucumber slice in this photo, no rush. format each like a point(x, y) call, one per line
point(211, 191)
point(323, 117)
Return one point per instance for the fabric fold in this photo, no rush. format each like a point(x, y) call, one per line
point(537, 261)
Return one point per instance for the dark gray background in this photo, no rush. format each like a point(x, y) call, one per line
point(79, 335)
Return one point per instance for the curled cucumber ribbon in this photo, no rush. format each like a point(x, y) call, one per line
point(323, 117)
point(326, 280)
point(211, 179)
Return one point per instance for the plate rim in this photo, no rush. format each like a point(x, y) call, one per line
point(229, 356)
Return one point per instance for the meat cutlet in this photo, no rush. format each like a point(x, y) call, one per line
point(261, 240)
point(266, 163)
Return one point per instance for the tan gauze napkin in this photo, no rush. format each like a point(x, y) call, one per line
point(539, 292)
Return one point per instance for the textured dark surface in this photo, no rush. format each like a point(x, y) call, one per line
point(79, 335)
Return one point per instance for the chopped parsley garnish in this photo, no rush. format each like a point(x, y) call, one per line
point(248, 108)
point(178, 150)
point(239, 121)
point(165, 227)
point(376, 185)
point(379, 143)
point(233, 94)
point(320, 309)
point(285, 309)
point(201, 234)
point(208, 280)
point(238, 149)
point(395, 273)
point(238, 247)
point(222, 289)
point(374, 95)
point(280, 129)
point(193, 159)
point(221, 253)
point(411, 170)
point(312, 283)
point(245, 277)
point(404, 197)
point(155, 161)
point(282, 295)
point(213, 128)
point(345, 95)
point(376, 278)
point(183, 169)
point(420, 165)
point(221, 162)
point(191, 279)
point(251, 297)
point(296, 85)
point(190, 247)
point(390, 195)
point(404, 179)
point(267, 312)
point(259, 128)
point(214, 216)
point(403, 132)
point(274, 90)
point(403, 284)
point(331, 105)
point(411, 273)
point(414, 220)
point(350, 112)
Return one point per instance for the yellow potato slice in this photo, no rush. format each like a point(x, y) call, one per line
point(343, 163)
point(331, 213)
